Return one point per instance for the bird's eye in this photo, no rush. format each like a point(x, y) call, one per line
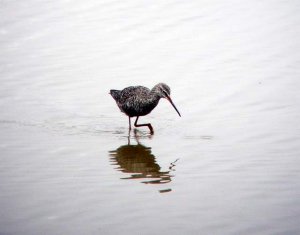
point(165, 93)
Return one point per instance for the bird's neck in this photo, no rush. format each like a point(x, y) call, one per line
point(154, 96)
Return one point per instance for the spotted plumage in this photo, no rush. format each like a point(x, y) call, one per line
point(137, 101)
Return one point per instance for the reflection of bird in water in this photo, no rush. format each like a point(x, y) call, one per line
point(136, 101)
point(141, 164)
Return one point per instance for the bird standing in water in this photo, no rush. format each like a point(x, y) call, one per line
point(136, 101)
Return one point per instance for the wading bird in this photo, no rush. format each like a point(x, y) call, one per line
point(136, 101)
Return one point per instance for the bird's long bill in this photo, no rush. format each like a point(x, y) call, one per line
point(169, 99)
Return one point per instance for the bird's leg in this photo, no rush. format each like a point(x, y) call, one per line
point(129, 130)
point(147, 124)
point(129, 123)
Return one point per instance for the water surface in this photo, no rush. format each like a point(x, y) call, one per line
point(229, 165)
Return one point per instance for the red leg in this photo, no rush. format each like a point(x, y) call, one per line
point(147, 124)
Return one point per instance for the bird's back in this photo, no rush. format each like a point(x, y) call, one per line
point(134, 100)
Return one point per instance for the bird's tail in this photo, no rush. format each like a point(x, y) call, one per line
point(115, 94)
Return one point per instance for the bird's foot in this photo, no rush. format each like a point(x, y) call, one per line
point(151, 129)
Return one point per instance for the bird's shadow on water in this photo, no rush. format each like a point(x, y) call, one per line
point(138, 162)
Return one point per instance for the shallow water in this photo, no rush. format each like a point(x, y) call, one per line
point(229, 165)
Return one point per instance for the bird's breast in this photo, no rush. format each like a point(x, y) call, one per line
point(139, 107)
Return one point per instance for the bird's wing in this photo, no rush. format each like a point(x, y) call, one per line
point(133, 92)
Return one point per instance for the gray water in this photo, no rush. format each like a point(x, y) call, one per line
point(229, 165)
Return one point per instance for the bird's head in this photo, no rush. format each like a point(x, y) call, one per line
point(164, 91)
